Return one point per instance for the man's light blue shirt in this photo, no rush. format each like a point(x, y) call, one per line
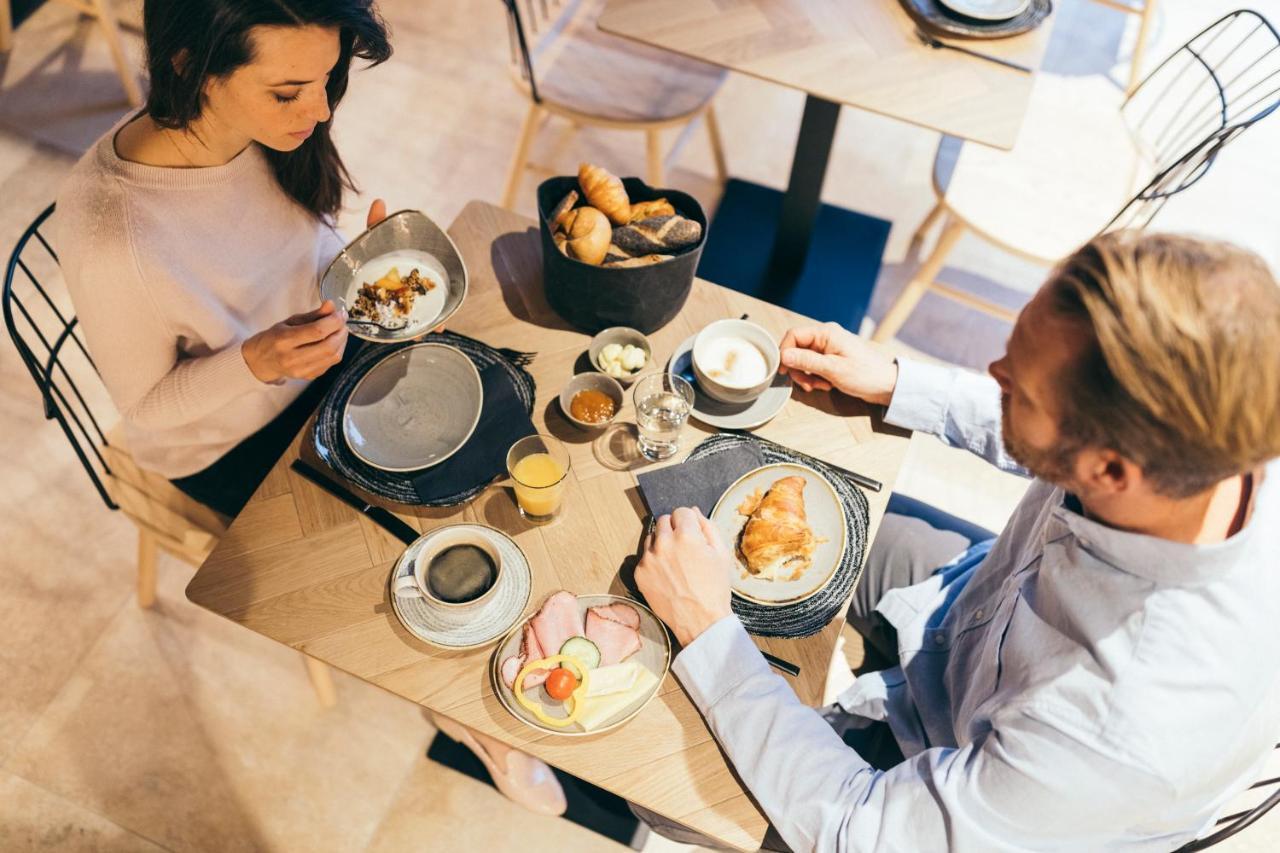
point(1070, 687)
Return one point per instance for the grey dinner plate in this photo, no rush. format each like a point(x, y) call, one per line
point(720, 415)
point(405, 240)
point(413, 409)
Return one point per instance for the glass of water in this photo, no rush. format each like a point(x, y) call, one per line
point(663, 403)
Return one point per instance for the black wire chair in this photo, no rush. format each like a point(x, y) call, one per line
point(42, 352)
point(1232, 824)
point(1192, 105)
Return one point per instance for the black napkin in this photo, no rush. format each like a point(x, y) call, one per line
point(503, 422)
point(698, 483)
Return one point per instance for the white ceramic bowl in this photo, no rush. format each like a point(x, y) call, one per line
point(759, 337)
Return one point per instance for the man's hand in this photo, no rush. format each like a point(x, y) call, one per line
point(301, 347)
point(830, 356)
point(684, 573)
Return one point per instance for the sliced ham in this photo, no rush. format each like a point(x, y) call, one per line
point(529, 650)
point(558, 620)
point(615, 640)
point(624, 613)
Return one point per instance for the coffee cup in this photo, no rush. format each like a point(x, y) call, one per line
point(735, 361)
point(458, 567)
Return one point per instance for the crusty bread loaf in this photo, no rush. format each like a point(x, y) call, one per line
point(558, 212)
point(657, 235)
point(649, 209)
point(642, 261)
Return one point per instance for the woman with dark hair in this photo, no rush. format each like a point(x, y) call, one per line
point(193, 232)
point(191, 237)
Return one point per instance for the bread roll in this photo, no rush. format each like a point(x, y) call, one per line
point(587, 234)
point(604, 191)
point(657, 235)
point(649, 209)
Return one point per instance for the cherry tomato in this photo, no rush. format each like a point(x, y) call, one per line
point(561, 683)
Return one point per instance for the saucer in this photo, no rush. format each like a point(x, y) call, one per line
point(457, 628)
point(712, 412)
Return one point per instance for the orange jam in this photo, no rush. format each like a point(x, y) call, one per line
point(592, 406)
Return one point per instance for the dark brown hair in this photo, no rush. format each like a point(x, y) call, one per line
point(211, 38)
point(1182, 375)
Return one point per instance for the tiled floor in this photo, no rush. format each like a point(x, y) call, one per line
point(125, 730)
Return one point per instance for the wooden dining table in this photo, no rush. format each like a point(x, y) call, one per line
point(788, 247)
point(307, 570)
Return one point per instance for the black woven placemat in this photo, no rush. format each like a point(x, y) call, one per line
point(332, 447)
point(810, 616)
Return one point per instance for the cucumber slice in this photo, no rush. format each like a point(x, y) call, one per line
point(582, 649)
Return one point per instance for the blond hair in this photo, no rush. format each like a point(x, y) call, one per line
point(1183, 375)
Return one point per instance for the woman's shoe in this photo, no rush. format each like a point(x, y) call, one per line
point(524, 780)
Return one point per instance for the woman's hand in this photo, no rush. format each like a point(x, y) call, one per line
point(301, 347)
point(830, 356)
point(684, 573)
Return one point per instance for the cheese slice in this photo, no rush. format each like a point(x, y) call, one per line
point(600, 710)
point(619, 677)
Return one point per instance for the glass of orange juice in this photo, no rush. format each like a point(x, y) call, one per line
point(538, 464)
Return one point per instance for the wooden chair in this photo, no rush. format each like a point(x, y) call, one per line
point(1146, 11)
point(71, 392)
point(102, 12)
point(568, 68)
point(1085, 148)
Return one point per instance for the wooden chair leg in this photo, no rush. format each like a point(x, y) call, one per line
point(148, 553)
point(111, 31)
point(521, 157)
point(920, 283)
point(322, 681)
point(717, 145)
point(653, 148)
point(929, 220)
point(6, 27)
point(1140, 47)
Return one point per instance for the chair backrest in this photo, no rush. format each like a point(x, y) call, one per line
point(1228, 825)
point(44, 331)
point(531, 32)
point(1220, 83)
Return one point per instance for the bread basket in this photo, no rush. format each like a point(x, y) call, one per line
point(594, 298)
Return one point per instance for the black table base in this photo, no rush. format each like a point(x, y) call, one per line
point(791, 249)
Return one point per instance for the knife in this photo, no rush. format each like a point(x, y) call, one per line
point(383, 518)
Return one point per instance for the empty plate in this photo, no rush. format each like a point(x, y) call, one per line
point(413, 409)
point(824, 514)
point(407, 240)
point(987, 10)
point(729, 415)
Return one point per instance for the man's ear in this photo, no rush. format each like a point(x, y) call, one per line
point(1106, 472)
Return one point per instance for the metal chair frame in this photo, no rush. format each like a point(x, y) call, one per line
point(1238, 821)
point(57, 405)
point(59, 393)
point(1183, 130)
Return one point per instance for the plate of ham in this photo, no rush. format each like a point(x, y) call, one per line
point(585, 663)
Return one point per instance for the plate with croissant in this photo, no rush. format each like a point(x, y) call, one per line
point(786, 526)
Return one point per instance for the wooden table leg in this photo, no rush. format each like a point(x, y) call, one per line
point(111, 31)
point(6, 27)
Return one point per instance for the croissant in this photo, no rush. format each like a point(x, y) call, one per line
point(649, 209)
point(587, 235)
point(777, 537)
point(658, 234)
point(605, 192)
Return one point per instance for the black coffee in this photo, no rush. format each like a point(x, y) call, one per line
point(461, 573)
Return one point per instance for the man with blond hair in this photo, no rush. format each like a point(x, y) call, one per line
point(1105, 675)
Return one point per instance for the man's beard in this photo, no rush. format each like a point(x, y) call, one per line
point(1055, 465)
